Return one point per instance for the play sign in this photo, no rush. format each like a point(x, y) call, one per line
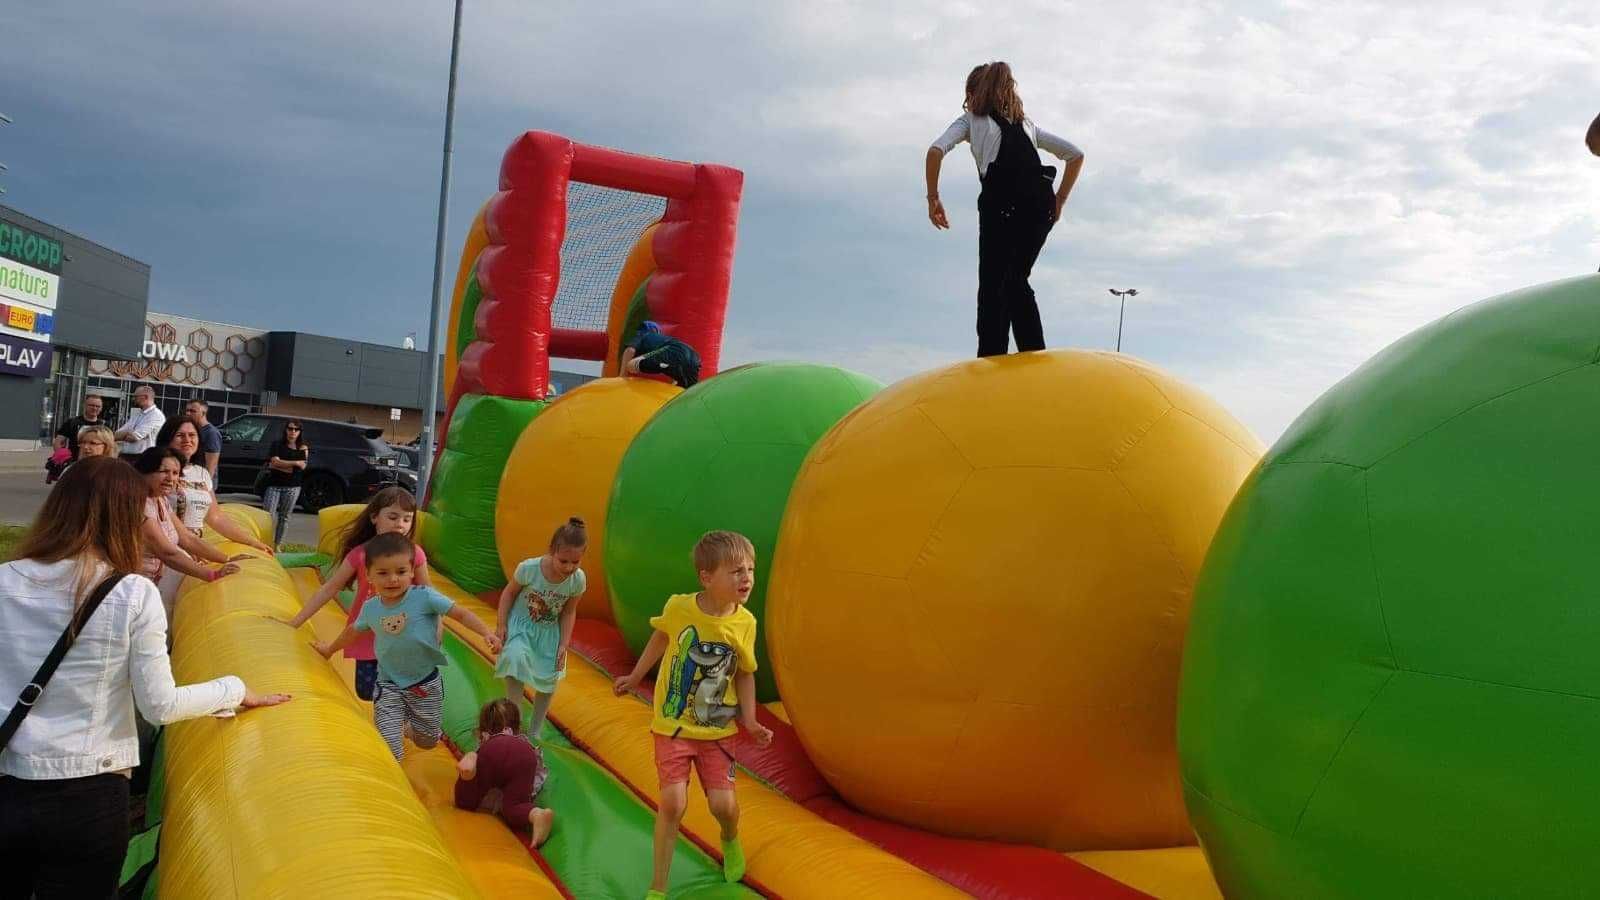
point(24, 357)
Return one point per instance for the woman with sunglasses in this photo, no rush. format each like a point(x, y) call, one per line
point(286, 470)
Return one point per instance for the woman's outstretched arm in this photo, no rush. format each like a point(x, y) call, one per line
point(958, 131)
point(935, 208)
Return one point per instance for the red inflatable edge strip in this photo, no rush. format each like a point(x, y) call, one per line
point(984, 869)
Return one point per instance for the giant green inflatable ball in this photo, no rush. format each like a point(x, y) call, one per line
point(1391, 685)
point(466, 487)
point(721, 455)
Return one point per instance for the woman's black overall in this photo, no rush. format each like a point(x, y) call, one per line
point(1015, 212)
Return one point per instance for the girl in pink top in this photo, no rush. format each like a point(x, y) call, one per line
point(392, 510)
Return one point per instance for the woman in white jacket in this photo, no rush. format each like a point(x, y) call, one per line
point(64, 774)
point(1016, 208)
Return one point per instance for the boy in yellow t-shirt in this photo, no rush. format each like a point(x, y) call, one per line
point(707, 680)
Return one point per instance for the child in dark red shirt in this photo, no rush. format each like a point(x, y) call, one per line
point(506, 772)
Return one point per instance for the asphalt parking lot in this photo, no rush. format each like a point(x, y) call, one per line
point(22, 492)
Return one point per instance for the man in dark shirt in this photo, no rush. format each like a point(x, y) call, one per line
point(210, 437)
point(67, 434)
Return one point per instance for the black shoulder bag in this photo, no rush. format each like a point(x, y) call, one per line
point(34, 688)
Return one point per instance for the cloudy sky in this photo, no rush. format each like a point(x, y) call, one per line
point(1290, 186)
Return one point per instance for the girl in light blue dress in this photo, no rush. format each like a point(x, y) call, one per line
point(537, 610)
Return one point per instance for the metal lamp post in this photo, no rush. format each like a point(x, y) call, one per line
point(4, 120)
point(430, 402)
point(1123, 295)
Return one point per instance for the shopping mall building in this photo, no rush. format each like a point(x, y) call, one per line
point(77, 322)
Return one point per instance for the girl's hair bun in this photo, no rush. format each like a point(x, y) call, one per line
point(572, 534)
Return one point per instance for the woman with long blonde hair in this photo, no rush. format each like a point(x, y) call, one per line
point(1016, 207)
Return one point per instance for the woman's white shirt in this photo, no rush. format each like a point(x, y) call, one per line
point(198, 496)
point(83, 724)
point(984, 135)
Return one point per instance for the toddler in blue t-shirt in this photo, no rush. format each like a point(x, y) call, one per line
point(404, 621)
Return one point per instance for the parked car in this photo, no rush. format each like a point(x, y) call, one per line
point(410, 455)
point(349, 463)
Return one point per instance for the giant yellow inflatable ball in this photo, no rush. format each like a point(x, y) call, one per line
point(563, 466)
point(978, 606)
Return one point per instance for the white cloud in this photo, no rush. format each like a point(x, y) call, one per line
point(1290, 185)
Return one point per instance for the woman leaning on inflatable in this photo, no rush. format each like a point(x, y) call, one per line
point(64, 767)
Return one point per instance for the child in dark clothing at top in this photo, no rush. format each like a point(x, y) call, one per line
point(506, 772)
point(652, 352)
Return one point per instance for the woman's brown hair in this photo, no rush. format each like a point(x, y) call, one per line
point(991, 91)
point(573, 535)
point(299, 435)
point(498, 715)
point(361, 530)
point(96, 511)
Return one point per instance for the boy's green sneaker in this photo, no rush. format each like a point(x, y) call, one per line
point(655, 895)
point(732, 861)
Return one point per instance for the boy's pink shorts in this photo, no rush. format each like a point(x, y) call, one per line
point(712, 758)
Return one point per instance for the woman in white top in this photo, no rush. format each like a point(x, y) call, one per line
point(195, 499)
point(1015, 208)
point(63, 776)
point(170, 550)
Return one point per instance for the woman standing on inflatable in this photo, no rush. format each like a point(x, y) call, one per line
point(1015, 207)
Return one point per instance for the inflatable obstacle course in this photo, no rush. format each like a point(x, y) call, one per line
point(651, 469)
point(986, 574)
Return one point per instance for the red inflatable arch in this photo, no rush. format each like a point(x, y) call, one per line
point(520, 270)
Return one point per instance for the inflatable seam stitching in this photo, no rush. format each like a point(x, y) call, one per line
point(1334, 759)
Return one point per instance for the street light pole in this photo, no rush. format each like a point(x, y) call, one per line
point(4, 120)
point(1124, 295)
point(430, 402)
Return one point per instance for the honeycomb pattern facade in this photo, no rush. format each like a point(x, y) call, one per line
point(208, 358)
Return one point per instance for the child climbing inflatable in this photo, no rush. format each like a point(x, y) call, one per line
point(652, 352)
point(505, 774)
point(1015, 207)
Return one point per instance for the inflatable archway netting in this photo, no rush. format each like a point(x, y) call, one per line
point(551, 267)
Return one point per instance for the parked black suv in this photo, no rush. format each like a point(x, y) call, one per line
point(349, 463)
